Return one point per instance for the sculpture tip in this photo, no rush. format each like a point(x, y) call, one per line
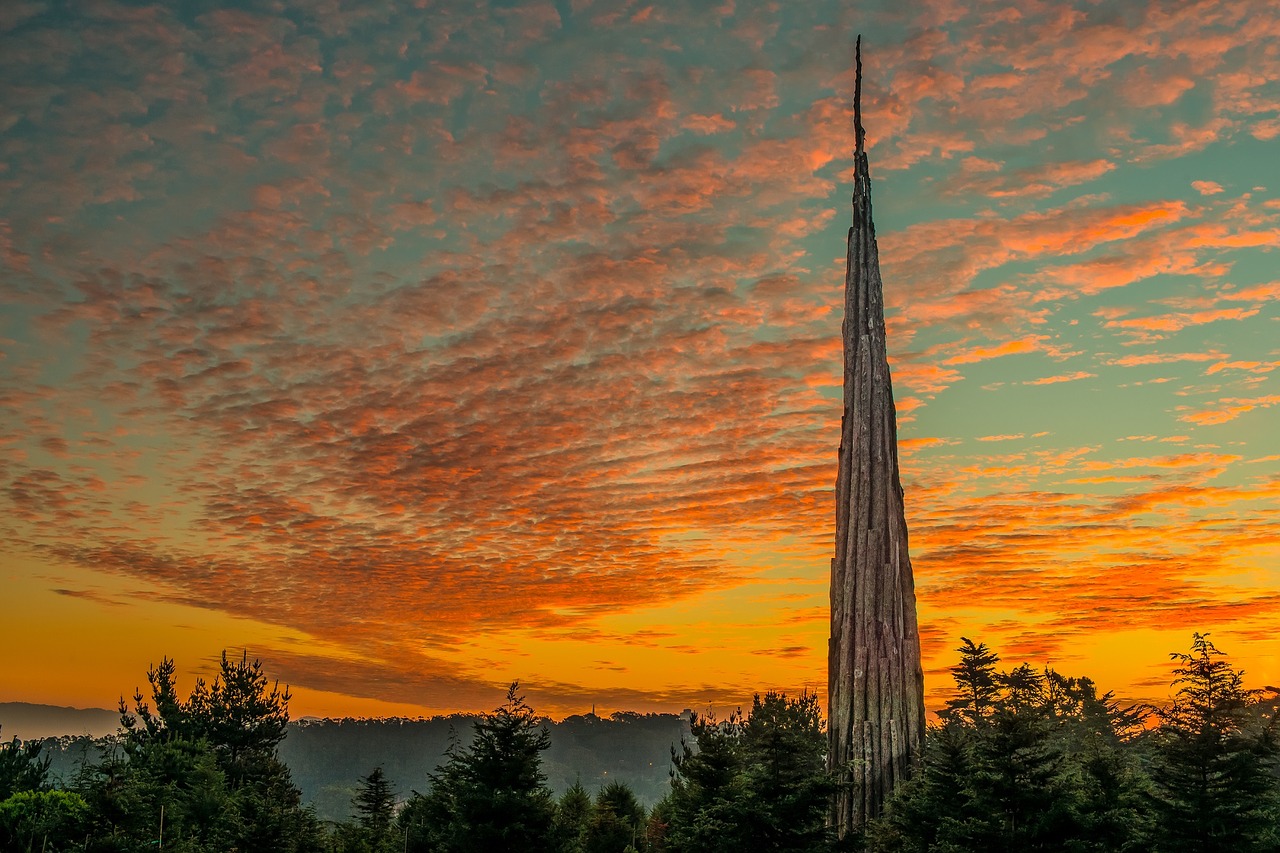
point(858, 132)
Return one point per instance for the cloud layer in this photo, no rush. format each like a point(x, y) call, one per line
point(464, 339)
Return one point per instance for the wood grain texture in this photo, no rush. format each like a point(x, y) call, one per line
point(875, 682)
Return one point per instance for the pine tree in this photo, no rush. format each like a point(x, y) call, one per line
point(932, 810)
point(573, 811)
point(706, 811)
point(1023, 761)
point(976, 684)
point(375, 805)
point(784, 749)
point(1213, 788)
point(617, 820)
point(755, 783)
point(210, 761)
point(1020, 797)
point(22, 768)
point(493, 795)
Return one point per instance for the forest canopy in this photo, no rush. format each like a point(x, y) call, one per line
point(1019, 759)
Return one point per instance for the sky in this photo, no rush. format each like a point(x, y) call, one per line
point(417, 348)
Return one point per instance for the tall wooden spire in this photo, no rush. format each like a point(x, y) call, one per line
point(875, 685)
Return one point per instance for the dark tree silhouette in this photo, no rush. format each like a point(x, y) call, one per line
point(1213, 787)
point(573, 812)
point(757, 783)
point(375, 804)
point(1023, 760)
point(206, 769)
point(976, 684)
point(617, 821)
point(491, 795)
point(22, 767)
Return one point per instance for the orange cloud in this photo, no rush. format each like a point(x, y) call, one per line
point(466, 341)
point(1029, 344)
point(1163, 358)
point(1228, 409)
point(1065, 377)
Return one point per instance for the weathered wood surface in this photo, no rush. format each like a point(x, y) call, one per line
point(875, 683)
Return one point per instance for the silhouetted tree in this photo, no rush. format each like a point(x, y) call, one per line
point(1022, 761)
point(22, 768)
point(175, 784)
point(931, 811)
point(208, 764)
point(758, 783)
point(375, 802)
point(1098, 737)
point(573, 812)
point(374, 830)
point(492, 795)
point(1213, 788)
point(238, 716)
point(976, 684)
point(706, 803)
point(617, 821)
point(1019, 793)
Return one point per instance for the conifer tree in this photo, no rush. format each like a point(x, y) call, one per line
point(22, 768)
point(573, 811)
point(1023, 761)
point(492, 795)
point(757, 783)
point(375, 804)
point(1213, 788)
point(976, 684)
point(210, 762)
point(617, 821)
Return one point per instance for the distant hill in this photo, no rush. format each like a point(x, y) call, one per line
point(328, 757)
point(30, 722)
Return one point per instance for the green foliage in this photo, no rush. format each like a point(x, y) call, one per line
point(1022, 761)
point(174, 787)
point(42, 820)
point(375, 803)
point(573, 812)
point(203, 772)
point(976, 684)
point(755, 783)
point(374, 829)
point(1213, 789)
point(22, 767)
point(491, 795)
point(1017, 784)
point(323, 755)
point(617, 821)
point(658, 826)
point(237, 716)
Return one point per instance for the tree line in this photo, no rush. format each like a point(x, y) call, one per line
point(623, 746)
point(1019, 760)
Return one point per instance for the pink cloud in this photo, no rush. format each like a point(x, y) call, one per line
point(1143, 88)
point(1031, 182)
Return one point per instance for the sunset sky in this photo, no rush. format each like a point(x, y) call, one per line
point(420, 347)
